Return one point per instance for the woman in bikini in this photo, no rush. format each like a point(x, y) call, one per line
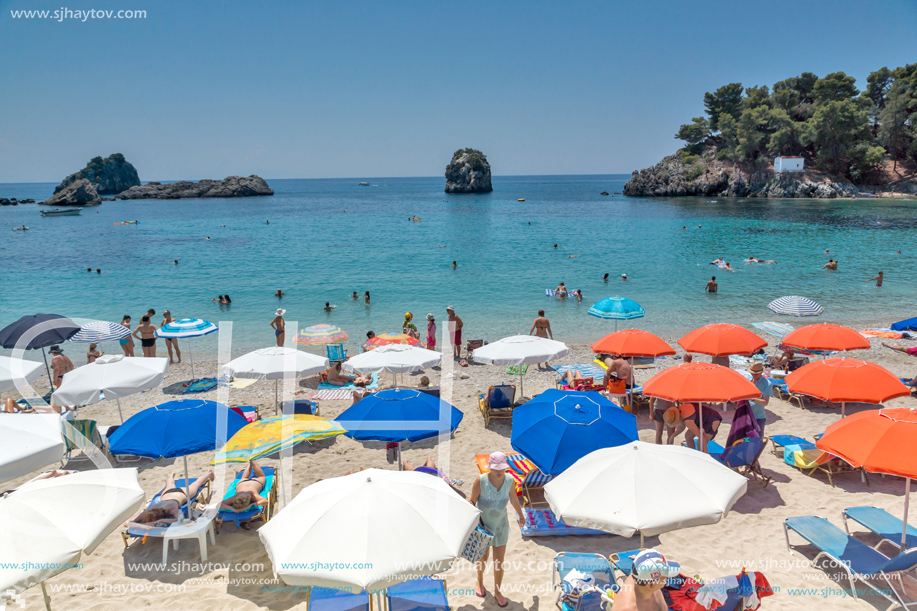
point(279, 326)
point(248, 492)
point(127, 343)
point(171, 500)
point(147, 337)
point(170, 342)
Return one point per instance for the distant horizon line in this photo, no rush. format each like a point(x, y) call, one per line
point(359, 178)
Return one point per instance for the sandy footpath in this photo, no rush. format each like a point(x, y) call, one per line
point(239, 570)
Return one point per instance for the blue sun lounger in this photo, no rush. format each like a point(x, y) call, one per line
point(855, 557)
point(264, 513)
point(422, 594)
point(329, 599)
point(880, 522)
point(596, 564)
point(782, 441)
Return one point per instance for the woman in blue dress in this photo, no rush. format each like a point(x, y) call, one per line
point(490, 493)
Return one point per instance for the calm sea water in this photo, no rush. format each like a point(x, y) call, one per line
point(328, 238)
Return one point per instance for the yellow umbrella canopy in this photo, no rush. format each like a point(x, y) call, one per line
point(270, 435)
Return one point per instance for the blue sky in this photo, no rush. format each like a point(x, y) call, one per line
point(365, 89)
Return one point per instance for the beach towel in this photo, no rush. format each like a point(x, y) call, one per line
point(514, 370)
point(743, 426)
point(238, 383)
point(778, 329)
point(589, 370)
point(202, 385)
point(339, 394)
point(543, 523)
point(881, 333)
point(327, 386)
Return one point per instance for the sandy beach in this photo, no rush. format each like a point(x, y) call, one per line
point(239, 574)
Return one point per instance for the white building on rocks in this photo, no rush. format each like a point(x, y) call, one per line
point(788, 164)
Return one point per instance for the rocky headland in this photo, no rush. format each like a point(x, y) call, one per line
point(706, 176)
point(232, 186)
point(79, 192)
point(468, 172)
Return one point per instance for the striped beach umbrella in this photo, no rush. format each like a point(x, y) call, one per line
point(100, 331)
point(617, 308)
point(185, 328)
point(794, 305)
point(321, 334)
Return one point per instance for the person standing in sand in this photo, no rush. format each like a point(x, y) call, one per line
point(490, 493)
point(60, 364)
point(541, 327)
point(171, 342)
point(147, 337)
point(431, 332)
point(93, 353)
point(127, 343)
point(455, 331)
point(279, 326)
point(408, 327)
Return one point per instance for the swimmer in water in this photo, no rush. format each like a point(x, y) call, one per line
point(605, 277)
point(727, 266)
point(328, 307)
point(717, 261)
point(831, 264)
point(175, 262)
point(279, 293)
point(572, 256)
point(267, 222)
point(208, 237)
point(354, 296)
point(555, 246)
point(878, 279)
point(561, 290)
point(454, 265)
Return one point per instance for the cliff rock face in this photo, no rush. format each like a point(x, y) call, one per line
point(232, 186)
point(109, 176)
point(469, 172)
point(77, 192)
point(708, 177)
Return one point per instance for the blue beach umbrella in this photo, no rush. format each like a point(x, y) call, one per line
point(399, 414)
point(177, 428)
point(794, 305)
point(617, 308)
point(100, 331)
point(186, 328)
point(557, 428)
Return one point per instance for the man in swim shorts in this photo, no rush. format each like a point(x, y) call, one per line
point(455, 331)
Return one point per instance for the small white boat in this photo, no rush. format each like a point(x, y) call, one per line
point(61, 212)
point(364, 184)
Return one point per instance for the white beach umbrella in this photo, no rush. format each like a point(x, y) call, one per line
point(29, 442)
point(276, 363)
point(47, 524)
point(17, 370)
point(396, 358)
point(646, 488)
point(392, 524)
point(115, 375)
point(520, 350)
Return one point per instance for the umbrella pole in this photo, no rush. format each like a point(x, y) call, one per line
point(120, 415)
point(191, 358)
point(641, 540)
point(398, 456)
point(701, 444)
point(44, 594)
point(907, 502)
point(276, 401)
point(187, 489)
point(843, 409)
point(50, 379)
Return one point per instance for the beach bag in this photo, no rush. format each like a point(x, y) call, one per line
point(617, 387)
point(477, 544)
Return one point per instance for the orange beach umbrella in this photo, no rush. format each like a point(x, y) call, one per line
point(695, 382)
point(846, 381)
point(826, 336)
point(632, 342)
point(880, 441)
point(722, 340)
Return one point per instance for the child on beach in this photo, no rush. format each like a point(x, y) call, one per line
point(431, 332)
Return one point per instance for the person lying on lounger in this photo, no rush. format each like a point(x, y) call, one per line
point(248, 491)
point(430, 468)
point(336, 377)
point(573, 378)
point(169, 507)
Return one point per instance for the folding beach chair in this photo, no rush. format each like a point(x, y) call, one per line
point(498, 402)
point(809, 460)
point(472, 345)
point(623, 563)
point(83, 436)
point(430, 390)
point(327, 599)
point(336, 353)
point(255, 513)
point(532, 477)
point(202, 497)
point(595, 564)
point(743, 458)
point(422, 594)
point(881, 523)
point(856, 558)
point(299, 406)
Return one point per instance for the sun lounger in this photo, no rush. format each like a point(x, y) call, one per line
point(82, 436)
point(588, 370)
point(328, 599)
point(498, 402)
point(202, 497)
point(255, 513)
point(809, 460)
point(544, 523)
point(532, 477)
point(856, 558)
point(881, 523)
point(422, 594)
point(595, 564)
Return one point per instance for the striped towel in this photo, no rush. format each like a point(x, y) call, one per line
point(777, 329)
point(339, 394)
point(589, 370)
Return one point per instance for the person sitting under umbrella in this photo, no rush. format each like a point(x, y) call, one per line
point(248, 491)
point(169, 507)
point(642, 590)
point(783, 361)
point(685, 417)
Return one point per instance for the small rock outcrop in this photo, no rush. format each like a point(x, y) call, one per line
point(708, 177)
point(109, 176)
point(468, 172)
point(232, 186)
point(78, 192)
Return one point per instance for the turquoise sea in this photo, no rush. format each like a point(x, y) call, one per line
point(328, 238)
